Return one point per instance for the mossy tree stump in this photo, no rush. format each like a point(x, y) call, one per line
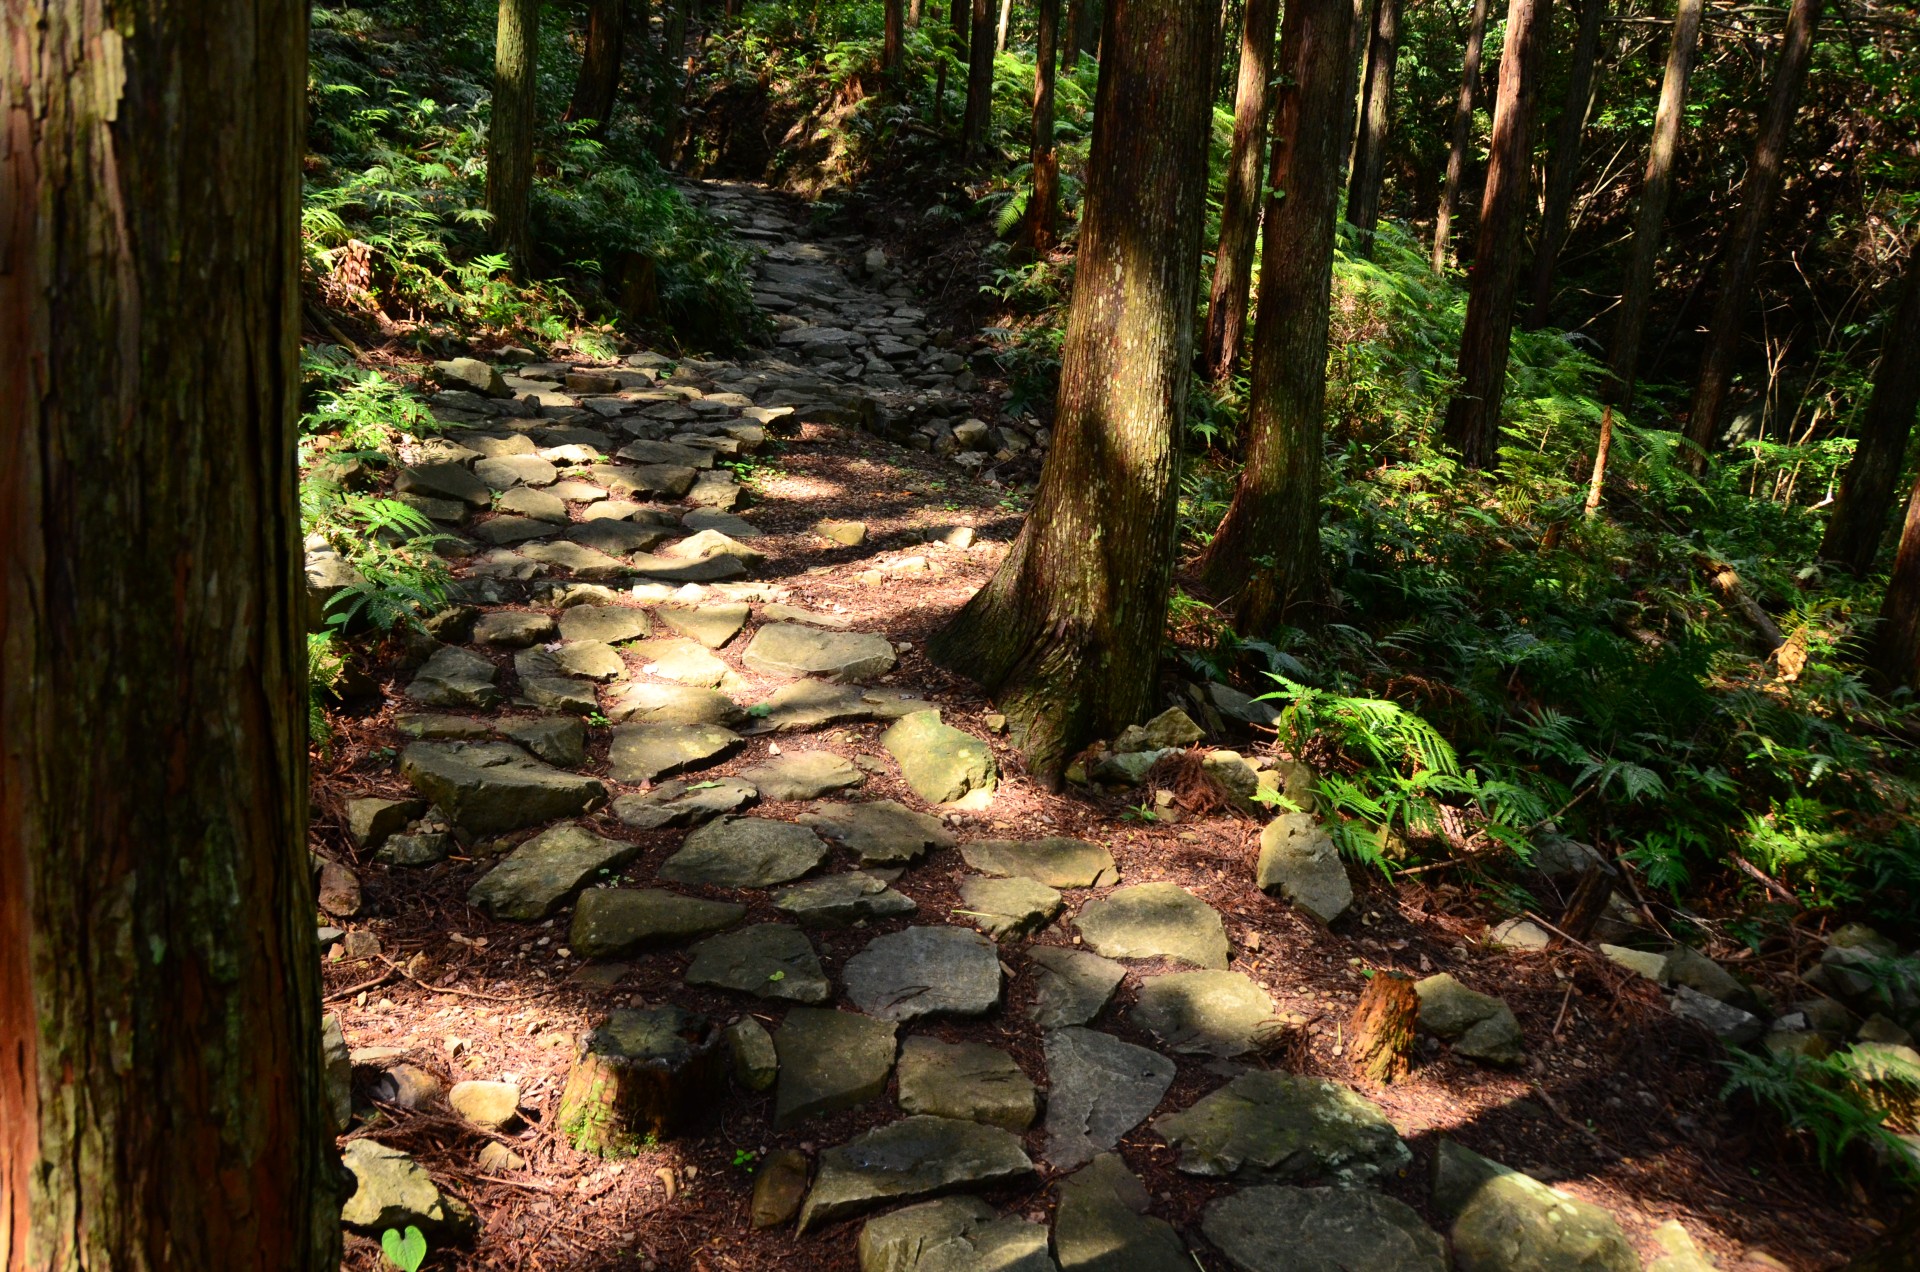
point(641, 1077)
point(1382, 1028)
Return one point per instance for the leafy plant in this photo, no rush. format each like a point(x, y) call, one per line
point(1835, 1102)
point(404, 1251)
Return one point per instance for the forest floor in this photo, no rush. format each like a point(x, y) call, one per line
point(1615, 1100)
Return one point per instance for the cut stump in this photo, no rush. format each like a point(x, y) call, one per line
point(642, 1077)
point(1382, 1028)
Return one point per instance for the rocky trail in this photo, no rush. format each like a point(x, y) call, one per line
point(675, 789)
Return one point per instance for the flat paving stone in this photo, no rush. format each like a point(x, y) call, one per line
point(559, 740)
point(489, 787)
point(515, 629)
point(648, 702)
point(1208, 1013)
point(1008, 907)
point(1155, 920)
point(795, 649)
point(1056, 862)
point(1299, 861)
point(922, 971)
point(1072, 987)
point(711, 625)
point(953, 1234)
point(1274, 1127)
point(841, 900)
point(444, 481)
point(769, 960)
point(455, 677)
point(800, 775)
point(666, 569)
point(559, 693)
point(685, 661)
point(1099, 1088)
point(1101, 1224)
point(967, 1080)
point(725, 522)
point(577, 559)
point(829, 1061)
point(712, 543)
point(504, 472)
point(940, 763)
point(541, 505)
point(534, 879)
point(880, 831)
point(781, 613)
point(583, 659)
point(814, 704)
point(745, 852)
point(645, 752)
point(609, 922)
point(681, 803)
point(1280, 1229)
point(616, 538)
point(916, 1157)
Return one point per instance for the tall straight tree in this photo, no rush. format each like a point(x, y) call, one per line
point(1462, 138)
point(1895, 659)
point(1043, 206)
point(893, 49)
point(1473, 417)
point(1376, 111)
point(1066, 635)
point(1350, 82)
point(1563, 161)
point(598, 83)
point(1759, 190)
point(1873, 476)
point(1000, 31)
point(516, 52)
point(1240, 209)
point(979, 118)
point(161, 1102)
point(1275, 513)
point(1656, 188)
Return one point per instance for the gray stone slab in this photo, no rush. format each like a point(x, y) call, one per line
point(1072, 987)
point(1274, 1127)
point(922, 971)
point(829, 1061)
point(608, 922)
point(842, 900)
point(1005, 908)
point(681, 803)
point(794, 649)
point(645, 752)
point(1099, 1088)
point(1207, 1013)
point(910, 1159)
point(1279, 1229)
point(488, 787)
point(881, 831)
point(966, 1080)
point(768, 960)
point(1155, 920)
point(534, 879)
point(745, 852)
point(800, 775)
point(1056, 862)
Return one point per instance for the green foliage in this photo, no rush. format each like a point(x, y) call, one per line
point(406, 1252)
point(1836, 1102)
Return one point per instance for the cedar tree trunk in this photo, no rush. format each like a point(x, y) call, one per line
point(1758, 192)
point(1473, 417)
point(1006, 19)
point(1240, 209)
point(1266, 553)
point(1043, 208)
point(1350, 81)
point(1370, 147)
point(895, 47)
point(1868, 486)
point(599, 80)
point(1462, 137)
point(1896, 644)
point(161, 1102)
point(1563, 161)
point(979, 118)
point(1655, 190)
point(510, 135)
point(1066, 635)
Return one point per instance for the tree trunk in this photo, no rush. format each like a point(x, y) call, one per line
point(1473, 417)
point(1867, 488)
point(1350, 82)
point(1006, 20)
point(1896, 642)
point(1066, 635)
point(510, 134)
point(894, 50)
point(1563, 161)
point(1758, 191)
point(1597, 484)
point(1240, 210)
point(1043, 206)
point(1588, 903)
point(1266, 553)
point(979, 118)
point(913, 14)
point(161, 1104)
point(1370, 147)
point(1382, 1028)
point(599, 80)
point(1655, 189)
point(642, 1076)
point(1462, 137)
point(959, 14)
point(673, 73)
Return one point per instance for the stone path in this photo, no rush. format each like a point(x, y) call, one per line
point(621, 643)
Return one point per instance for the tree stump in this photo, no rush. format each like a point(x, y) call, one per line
point(642, 1077)
point(1382, 1028)
point(1588, 902)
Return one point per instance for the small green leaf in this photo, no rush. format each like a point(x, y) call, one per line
point(777, 976)
point(405, 1252)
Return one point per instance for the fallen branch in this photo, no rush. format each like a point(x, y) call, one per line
point(1726, 581)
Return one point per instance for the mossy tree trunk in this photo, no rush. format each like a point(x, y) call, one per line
point(1462, 138)
point(598, 83)
point(1240, 208)
point(978, 124)
point(1473, 417)
point(1066, 635)
point(1376, 112)
point(161, 1103)
point(510, 134)
point(1656, 189)
point(1043, 208)
point(1563, 161)
point(1873, 476)
point(1759, 190)
point(1266, 553)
